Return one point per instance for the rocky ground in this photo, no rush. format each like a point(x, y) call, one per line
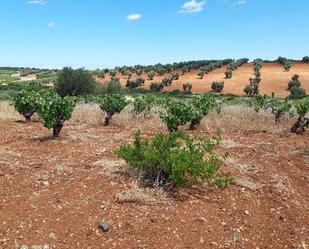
point(55, 192)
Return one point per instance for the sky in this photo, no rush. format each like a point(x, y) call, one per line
point(108, 33)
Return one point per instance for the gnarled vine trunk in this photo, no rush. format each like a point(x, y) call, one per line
point(107, 119)
point(193, 124)
point(57, 128)
point(299, 126)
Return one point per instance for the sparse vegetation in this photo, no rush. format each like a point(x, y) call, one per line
point(176, 159)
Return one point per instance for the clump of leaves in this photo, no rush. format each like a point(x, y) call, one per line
point(143, 104)
point(228, 74)
point(156, 87)
point(178, 113)
point(151, 75)
point(167, 81)
point(176, 159)
point(55, 110)
point(26, 103)
point(217, 86)
point(111, 104)
point(302, 108)
point(175, 76)
point(294, 86)
point(201, 107)
point(187, 88)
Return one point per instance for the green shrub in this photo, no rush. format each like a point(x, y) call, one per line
point(74, 82)
point(151, 75)
point(217, 86)
point(175, 76)
point(26, 103)
point(228, 74)
point(111, 104)
point(131, 84)
point(167, 81)
point(143, 104)
point(201, 107)
point(297, 92)
point(302, 108)
point(55, 110)
point(178, 113)
point(306, 59)
point(113, 73)
point(201, 74)
point(187, 88)
point(176, 159)
point(287, 66)
point(294, 82)
point(156, 87)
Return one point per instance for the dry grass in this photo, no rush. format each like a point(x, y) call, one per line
point(136, 194)
point(88, 113)
point(232, 118)
point(7, 111)
point(239, 118)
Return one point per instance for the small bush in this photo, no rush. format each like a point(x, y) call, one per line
point(156, 87)
point(175, 76)
point(55, 110)
point(176, 159)
point(228, 74)
point(217, 86)
point(151, 75)
point(287, 66)
point(111, 104)
point(72, 82)
point(294, 82)
point(297, 92)
point(187, 88)
point(113, 86)
point(167, 81)
point(143, 104)
point(177, 113)
point(201, 74)
point(294, 86)
point(26, 103)
point(306, 59)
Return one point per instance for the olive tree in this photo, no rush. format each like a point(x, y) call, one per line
point(72, 82)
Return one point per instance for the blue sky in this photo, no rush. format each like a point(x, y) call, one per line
point(108, 33)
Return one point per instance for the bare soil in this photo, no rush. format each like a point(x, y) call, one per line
point(55, 192)
point(274, 79)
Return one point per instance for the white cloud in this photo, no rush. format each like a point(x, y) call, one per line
point(192, 6)
point(134, 17)
point(37, 2)
point(240, 2)
point(51, 24)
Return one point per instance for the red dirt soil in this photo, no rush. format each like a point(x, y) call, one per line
point(53, 192)
point(274, 79)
